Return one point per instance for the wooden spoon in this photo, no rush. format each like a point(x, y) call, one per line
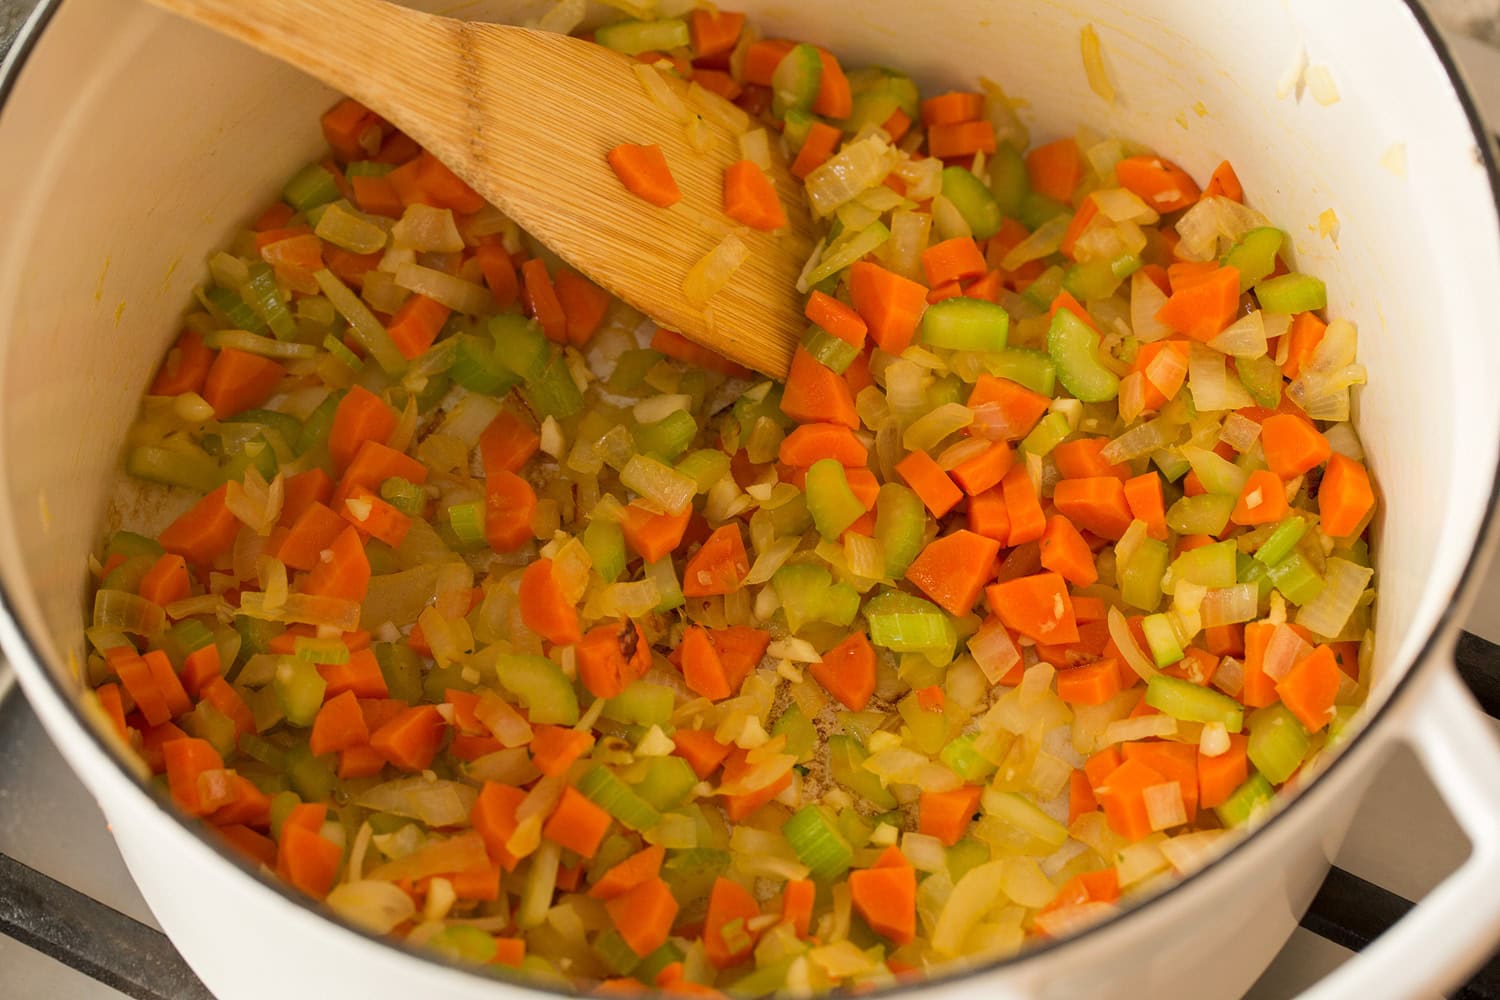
point(526, 118)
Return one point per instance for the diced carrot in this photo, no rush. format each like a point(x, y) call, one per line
point(714, 32)
point(1143, 494)
point(702, 670)
point(988, 516)
point(1038, 606)
point(1259, 689)
point(415, 326)
point(1064, 551)
point(114, 707)
point(539, 296)
point(218, 693)
point(1018, 407)
point(259, 848)
point(652, 536)
point(1219, 777)
point(411, 739)
point(432, 183)
point(544, 610)
point(808, 443)
point(583, 304)
point(185, 367)
point(797, 905)
point(1096, 504)
point(554, 748)
point(718, 566)
point(835, 97)
point(1087, 887)
point(499, 273)
point(896, 126)
point(1088, 210)
point(886, 898)
point(1345, 497)
point(947, 815)
point(939, 293)
point(186, 759)
point(762, 58)
point(627, 874)
point(1156, 396)
point(338, 725)
point(1081, 799)
point(1310, 687)
point(1174, 761)
point(1292, 445)
point(375, 517)
point(315, 530)
point(750, 198)
point(953, 260)
point(984, 471)
point(239, 381)
point(962, 139)
point(610, 656)
point(1055, 169)
point(1023, 508)
point(1225, 640)
point(1306, 333)
point(890, 305)
point(814, 393)
point(373, 464)
point(309, 861)
point(987, 288)
point(166, 581)
point(1162, 184)
point(274, 217)
point(952, 570)
point(577, 824)
point(679, 348)
point(493, 817)
point(836, 318)
point(698, 747)
point(644, 172)
point(822, 139)
point(361, 416)
point(1122, 795)
point(509, 503)
point(952, 108)
point(1262, 501)
point(1224, 183)
point(352, 130)
point(1204, 308)
point(359, 675)
point(507, 444)
point(302, 490)
point(644, 915)
point(847, 671)
point(928, 480)
point(1081, 459)
point(346, 574)
point(376, 196)
point(728, 902)
point(207, 530)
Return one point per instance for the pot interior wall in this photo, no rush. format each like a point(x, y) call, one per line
point(134, 144)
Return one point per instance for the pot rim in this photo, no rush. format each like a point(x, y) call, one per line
point(10, 69)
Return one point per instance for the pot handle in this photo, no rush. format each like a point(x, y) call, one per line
point(1449, 933)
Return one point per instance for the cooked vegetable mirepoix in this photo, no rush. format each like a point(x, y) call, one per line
point(502, 621)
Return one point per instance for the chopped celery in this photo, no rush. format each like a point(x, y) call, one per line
point(1248, 570)
point(801, 737)
point(189, 469)
point(1250, 798)
point(913, 632)
point(900, 524)
point(404, 495)
point(840, 605)
point(965, 761)
point(127, 576)
point(796, 127)
point(255, 635)
point(315, 650)
point(605, 544)
point(542, 688)
point(847, 249)
point(691, 871)
point(265, 298)
point(668, 587)
point(1291, 293)
point(973, 200)
point(630, 371)
point(754, 404)
point(616, 955)
point(1254, 256)
point(187, 636)
point(1278, 742)
point(128, 543)
point(802, 589)
point(1045, 288)
point(1075, 349)
point(795, 82)
point(1210, 566)
point(1205, 514)
point(879, 93)
point(641, 704)
point(310, 187)
point(600, 785)
point(283, 425)
point(1261, 377)
point(705, 467)
point(666, 783)
point(1140, 577)
point(1280, 543)
point(437, 681)
point(265, 751)
point(208, 723)
point(829, 351)
point(1126, 265)
point(1161, 637)
point(965, 856)
point(652, 965)
point(463, 943)
point(831, 502)
point(234, 309)
point(368, 168)
point(319, 422)
point(854, 828)
point(1009, 181)
point(817, 842)
point(282, 804)
point(553, 393)
point(258, 452)
point(478, 368)
point(1051, 431)
point(299, 690)
point(1093, 279)
point(1038, 208)
point(467, 522)
point(635, 37)
point(667, 438)
point(962, 324)
point(1033, 369)
point(1188, 702)
point(1295, 577)
point(791, 518)
point(520, 344)
point(926, 732)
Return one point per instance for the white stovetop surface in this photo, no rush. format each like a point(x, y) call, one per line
point(1403, 838)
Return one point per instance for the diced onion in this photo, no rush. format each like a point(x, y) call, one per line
point(1146, 300)
point(1189, 851)
point(304, 609)
point(378, 907)
point(436, 803)
point(1122, 205)
point(1244, 338)
point(1041, 243)
point(455, 293)
point(1344, 583)
point(1165, 372)
point(1282, 652)
point(1212, 386)
point(712, 272)
point(1138, 442)
point(1230, 605)
point(120, 609)
point(439, 856)
point(1133, 395)
point(994, 650)
point(1239, 432)
point(350, 230)
point(660, 91)
point(755, 146)
point(1164, 805)
point(970, 900)
point(1213, 219)
point(1143, 728)
point(909, 235)
point(933, 427)
point(661, 484)
point(1214, 741)
point(861, 164)
point(926, 853)
point(864, 555)
point(427, 230)
point(1230, 677)
point(1322, 387)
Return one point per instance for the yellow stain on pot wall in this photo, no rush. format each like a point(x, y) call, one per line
point(99, 288)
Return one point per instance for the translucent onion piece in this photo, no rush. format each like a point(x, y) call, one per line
point(427, 230)
point(1144, 728)
point(509, 767)
point(960, 452)
point(972, 897)
point(1002, 114)
point(1189, 851)
point(466, 421)
point(266, 347)
point(1137, 442)
point(1041, 243)
point(860, 165)
point(755, 146)
point(909, 236)
point(1133, 395)
point(624, 600)
point(1229, 605)
point(502, 720)
point(436, 803)
point(1165, 372)
point(1119, 631)
point(771, 559)
point(378, 907)
point(1321, 388)
point(1283, 652)
point(924, 178)
point(1244, 338)
point(1214, 741)
point(381, 292)
point(1230, 677)
point(350, 230)
point(127, 612)
point(1213, 219)
point(1164, 805)
point(455, 293)
point(1326, 614)
point(1239, 432)
point(864, 555)
point(1120, 205)
point(1344, 439)
point(930, 429)
point(994, 650)
point(1212, 386)
point(1145, 301)
point(908, 767)
point(661, 92)
point(712, 272)
point(439, 856)
point(661, 484)
point(948, 220)
point(372, 335)
point(564, 17)
point(656, 408)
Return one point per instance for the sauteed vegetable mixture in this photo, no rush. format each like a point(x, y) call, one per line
point(500, 620)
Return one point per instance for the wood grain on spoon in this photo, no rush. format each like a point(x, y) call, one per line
point(526, 118)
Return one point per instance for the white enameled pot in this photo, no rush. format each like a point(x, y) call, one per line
point(132, 144)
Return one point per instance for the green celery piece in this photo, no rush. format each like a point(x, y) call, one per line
point(128, 543)
point(206, 722)
point(466, 520)
point(847, 249)
point(652, 965)
point(255, 635)
point(257, 452)
point(1278, 742)
point(265, 298)
point(747, 409)
point(1205, 514)
point(299, 689)
point(605, 544)
point(284, 425)
point(438, 680)
point(801, 737)
point(197, 472)
point(1211, 566)
point(553, 392)
point(616, 955)
point(310, 187)
point(478, 368)
point(1024, 366)
point(1074, 348)
point(602, 787)
point(234, 309)
point(463, 943)
point(641, 704)
point(1038, 208)
point(187, 636)
point(666, 783)
point(635, 37)
point(854, 828)
point(520, 345)
point(766, 980)
point(1292, 293)
point(404, 495)
point(1250, 798)
point(802, 589)
point(948, 389)
point(1254, 256)
point(1009, 181)
point(912, 632)
point(831, 352)
point(965, 761)
point(315, 650)
point(796, 127)
point(965, 856)
point(877, 94)
point(927, 732)
point(818, 844)
point(1358, 553)
point(1248, 570)
point(961, 324)
point(1296, 579)
point(900, 523)
point(973, 200)
point(319, 423)
point(705, 467)
point(792, 518)
point(668, 437)
point(1261, 378)
point(630, 371)
point(1140, 578)
point(795, 82)
point(1171, 463)
point(541, 686)
point(1051, 431)
point(1188, 702)
point(1124, 266)
point(831, 502)
point(840, 605)
point(368, 168)
point(268, 753)
point(667, 584)
point(1280, 543)
point(1094, 279)
point(282, 804)
point(1161, 636)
